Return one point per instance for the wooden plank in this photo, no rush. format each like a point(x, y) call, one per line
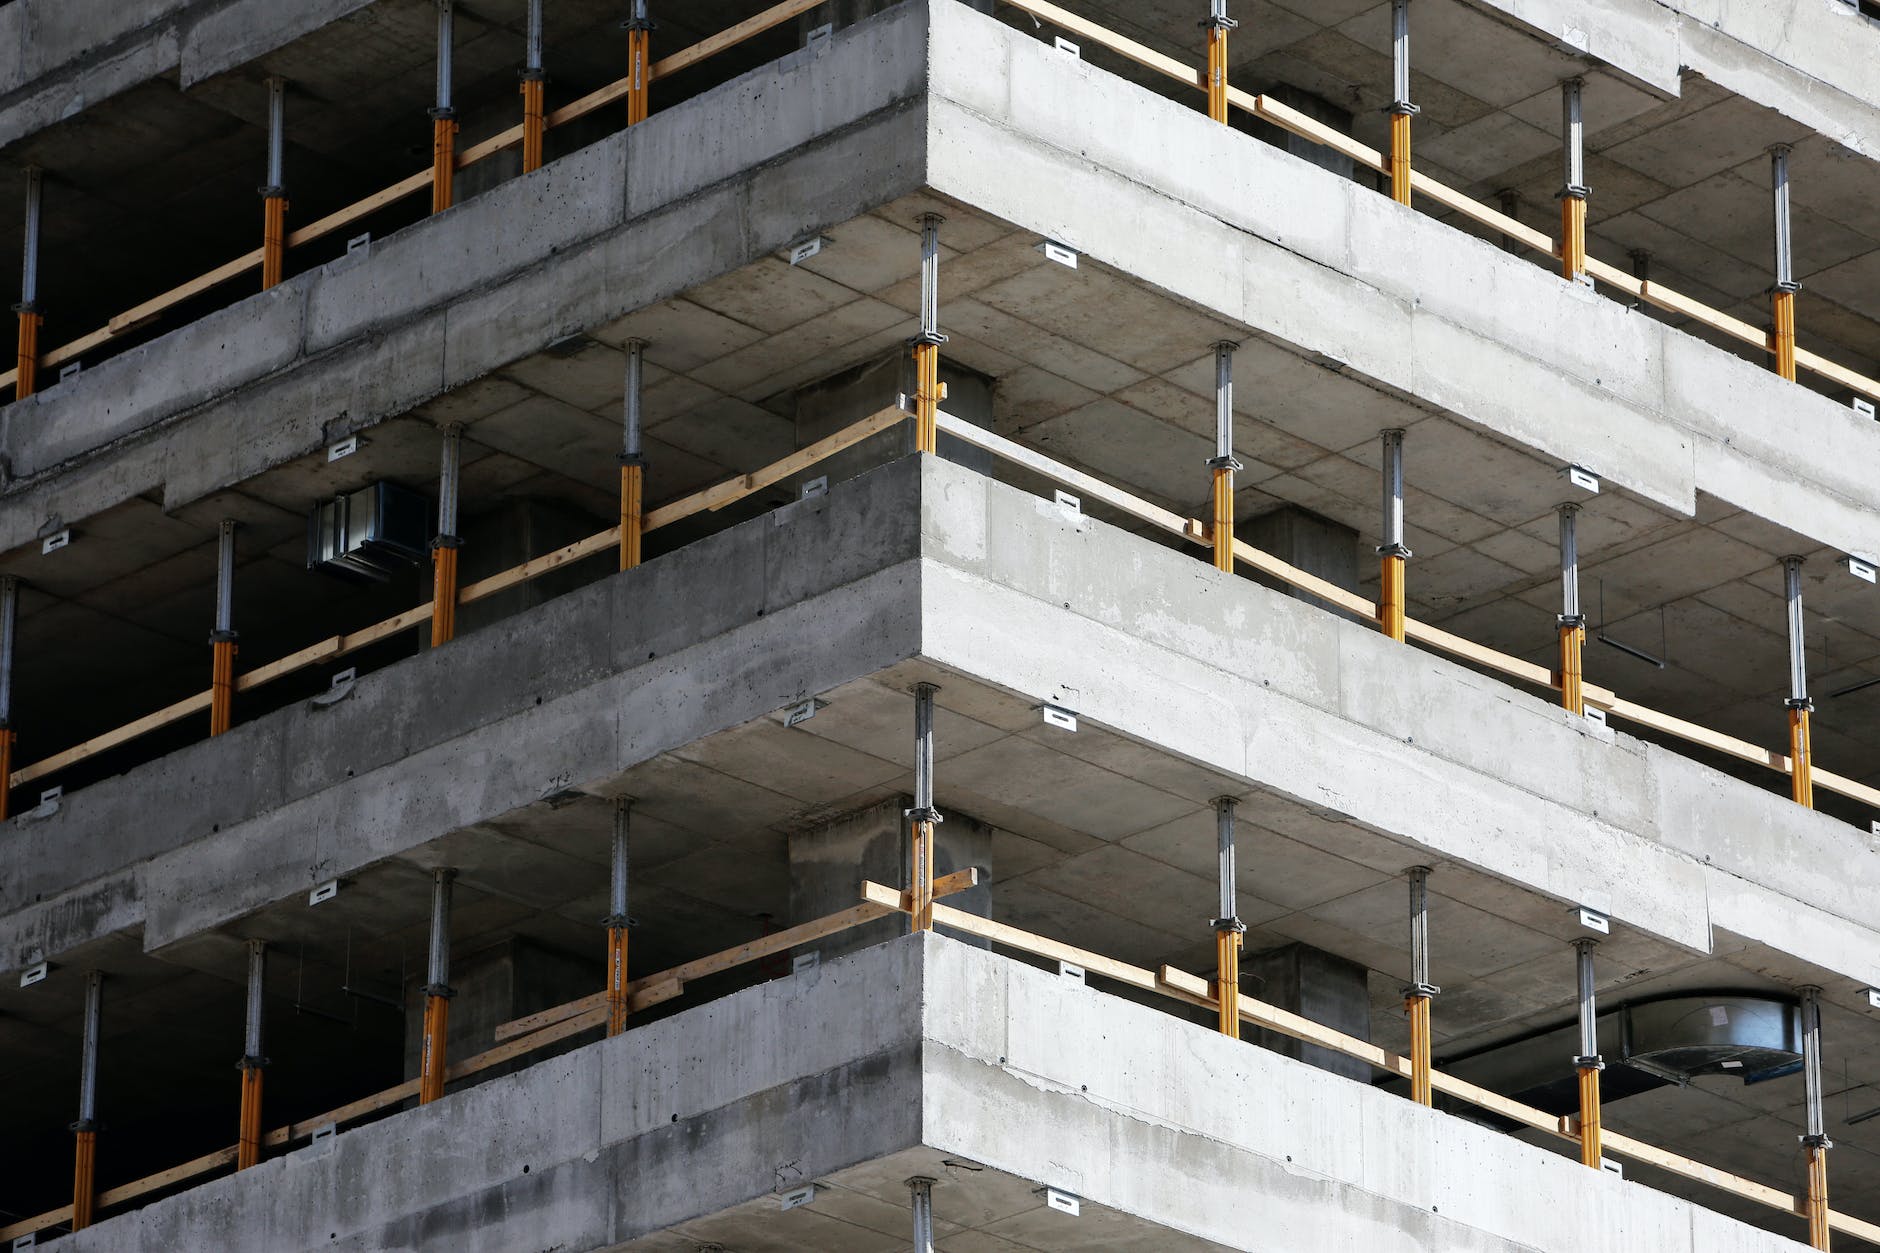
point(1086, 486)
point(1846, 787)
point(1481, 655)
point(111, 739)
point(1476, 211)
point(1495, 1103)
point(77, 348)
point(729, 37)
point(334, 646)
point(1856, 1227)
point(164, 1178)
point(1836, 373)
point(1728, 744)
point(1285, 117)
point(1266, 563)
point(687, 972)
point(733, 490)
point(535, 567)
point(38, 1222)
point(137, 315)
point(1678, 1164)
point(1674, 302)
point(616, 90)
point(1128, 49)
point(410, 185)
point(491, 146)
point(1613, 276)
point(345, 1113)
point(1039, 946)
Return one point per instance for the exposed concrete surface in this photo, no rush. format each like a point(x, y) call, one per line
point(1818, 63)
point(923, 1042)
point(60, 57)
point(1005, 589)
point(563, 694)
point(694, 192)
point(1001, 122)
point(1166, 650)
point(1415, 307)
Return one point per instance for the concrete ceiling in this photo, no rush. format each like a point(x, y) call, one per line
point(865, 1209)
point(153, 186)
point(1685, 179)
point(1099, 841)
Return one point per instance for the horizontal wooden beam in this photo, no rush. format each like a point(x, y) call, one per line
point(1091, 33)
point(731, 491)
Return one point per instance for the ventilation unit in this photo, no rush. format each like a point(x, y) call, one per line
point(373, 533)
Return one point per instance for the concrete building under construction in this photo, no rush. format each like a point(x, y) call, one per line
point(979, 626)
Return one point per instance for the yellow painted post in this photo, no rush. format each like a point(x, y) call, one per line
point(923, 816)
point(1573, 191)
point(26, 380)
point(633, 460)
point(927, 390)
point(1217, 26)
point(1392, 552)
point(1782, 294)
point(9, 622)
point(432, 1059)
point(248, 1143)
point(1228, 928)
point(1223, 463)
point(1418, 995)
point(1572, 622)
point(444, 547)
point(534, 117)
point(1401, 110)
point(618, 921)
point(222, 639)
point(1801, 752)
point(443, 117)
point(1589, 1062)
point(639, 63)
point(274, 193)
point(85, 1148)
point(1815, 1139)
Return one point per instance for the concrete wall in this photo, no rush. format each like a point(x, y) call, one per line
point(998, 585)
point(59, 57)
point(1269, 689)
point(695, 192)
point(1811, 60)
point(1043, 141)
point(925, 1043)
point(1416, 308)
point(573, 690)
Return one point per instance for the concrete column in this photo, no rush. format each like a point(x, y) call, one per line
point(492, 986)
point(1314, 544)
point(828, 864)
point(510, 534)
point(824, 408)
point(1316, 985)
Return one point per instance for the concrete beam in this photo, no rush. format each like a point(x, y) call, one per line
point(63, 56)
point(1407, 303)
point(695, 192)
point(905, 1055)
point(1244, 681)
point(1311, 261)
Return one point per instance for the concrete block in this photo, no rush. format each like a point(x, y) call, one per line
point(777, 108)
point(490, 236)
